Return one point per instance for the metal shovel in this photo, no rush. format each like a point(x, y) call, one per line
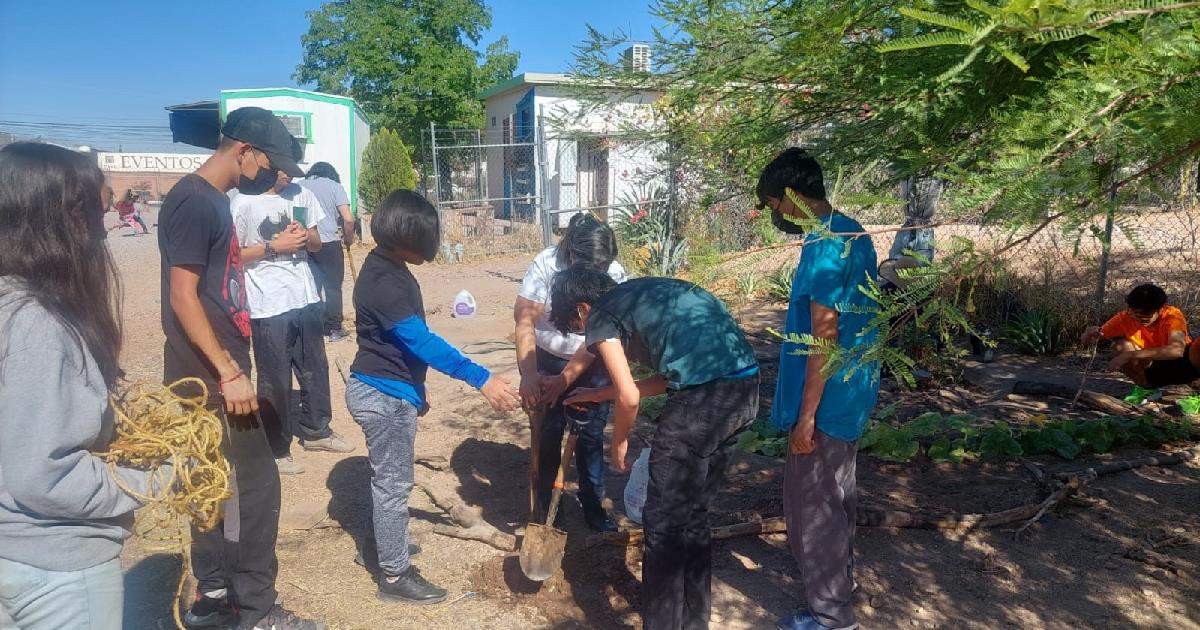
point(544, 545)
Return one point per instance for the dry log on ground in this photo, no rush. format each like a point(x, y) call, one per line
point(483, 533)
point(470, 519)
point(1093, 400)
point(1161, 459)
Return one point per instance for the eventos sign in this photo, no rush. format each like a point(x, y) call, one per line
point(150, 162)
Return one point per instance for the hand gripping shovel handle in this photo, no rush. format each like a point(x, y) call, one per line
point(563, 464)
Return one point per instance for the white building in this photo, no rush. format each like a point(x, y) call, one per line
point(582, 163)
point(332, 128)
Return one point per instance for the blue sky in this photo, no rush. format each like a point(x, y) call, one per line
point(114, 64)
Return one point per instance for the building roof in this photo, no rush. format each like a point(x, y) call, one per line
point(524, 79)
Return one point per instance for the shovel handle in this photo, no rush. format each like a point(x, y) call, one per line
point(563, 464)
point(535, 432)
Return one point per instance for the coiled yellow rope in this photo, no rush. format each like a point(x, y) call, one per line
point(178, 441)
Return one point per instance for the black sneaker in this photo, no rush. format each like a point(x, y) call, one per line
point(410, 588)
point(279, 618)
point(210, 612)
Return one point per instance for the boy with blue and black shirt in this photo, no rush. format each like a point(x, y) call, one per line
point(386, 391)
point(824, 414)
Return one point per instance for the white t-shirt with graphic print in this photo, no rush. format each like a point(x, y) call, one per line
point(283, 282)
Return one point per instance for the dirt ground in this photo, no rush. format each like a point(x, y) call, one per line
point(1074, 569)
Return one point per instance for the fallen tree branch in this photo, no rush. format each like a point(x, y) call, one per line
point(482, 532)
point(1072, 485)
point(468, 517)
point(1093, 400)
point(1162, 459)
point(453, 505)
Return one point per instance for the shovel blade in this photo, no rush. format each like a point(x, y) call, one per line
point(542, 551)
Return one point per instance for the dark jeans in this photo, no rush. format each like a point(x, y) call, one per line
point(589, 450)
point(329, 266)
point(696, 434)
point(239, 553)
point(282, 344)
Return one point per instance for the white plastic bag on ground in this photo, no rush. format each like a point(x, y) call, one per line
point(636, 487)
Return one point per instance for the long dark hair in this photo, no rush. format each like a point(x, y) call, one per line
point(586, 241)
point(324, 169)
point(52, 241)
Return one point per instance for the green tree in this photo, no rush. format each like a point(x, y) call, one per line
point(1036, 114)
point(407, 62)
point(386, 168)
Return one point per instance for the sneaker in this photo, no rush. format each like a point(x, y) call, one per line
point(334, 444)
point(804, 620)
point(410, 588)
point(337, 335)
point(1141, 395)
point(210, 612)
point(280, 618)
point(288, 466)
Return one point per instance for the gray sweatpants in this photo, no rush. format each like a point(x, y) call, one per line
point(390, 425)
point(820, 503)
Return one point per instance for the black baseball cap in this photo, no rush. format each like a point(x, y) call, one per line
point(262, 130)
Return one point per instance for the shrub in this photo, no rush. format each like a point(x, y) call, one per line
point(1038, 333)
point(386, 167)
point(779, 283)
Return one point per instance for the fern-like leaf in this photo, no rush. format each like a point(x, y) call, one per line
point(941, 19)
point(928, 40)
point(1011, 55)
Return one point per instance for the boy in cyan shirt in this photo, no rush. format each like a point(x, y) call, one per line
point(824, 415)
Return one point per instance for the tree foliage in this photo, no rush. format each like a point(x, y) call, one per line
point(1032, 111)
point(387, 167)
point(407, 62)
point(1021, 104)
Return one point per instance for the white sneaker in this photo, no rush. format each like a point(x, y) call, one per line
point(334, 444)
point(288, 466)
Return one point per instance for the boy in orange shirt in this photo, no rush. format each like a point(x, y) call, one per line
point(1151, 344)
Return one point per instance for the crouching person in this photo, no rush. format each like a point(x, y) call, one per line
point(702, 362)
point(386, 391)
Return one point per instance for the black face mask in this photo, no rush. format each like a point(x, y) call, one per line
point(264, 181)
point(783, 225)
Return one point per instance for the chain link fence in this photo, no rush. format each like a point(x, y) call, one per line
point(486, 189)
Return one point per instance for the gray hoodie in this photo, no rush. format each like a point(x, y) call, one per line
point(60, 507)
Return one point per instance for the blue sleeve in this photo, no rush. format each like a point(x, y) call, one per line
point(822, 273)
point(437, 353)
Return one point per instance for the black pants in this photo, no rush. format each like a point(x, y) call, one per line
point(696, 434)
point(282, 344)
point(589, 450)
point(328, 267)
point(239, 553)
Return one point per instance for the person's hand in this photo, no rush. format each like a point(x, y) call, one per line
point(800, 441)
point(1119, 361)
point(500, 394)
point(552, 388)
point(348, 234)
point(584, 395)
point(240, 399)
point(617, 453)
point(290, 241)
point(1090, 335)
point(530, 390)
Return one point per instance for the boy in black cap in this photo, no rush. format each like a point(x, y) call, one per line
point(207, 332)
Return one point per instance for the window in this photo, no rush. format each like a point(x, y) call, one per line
point(299, 124)
point(493, 121)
